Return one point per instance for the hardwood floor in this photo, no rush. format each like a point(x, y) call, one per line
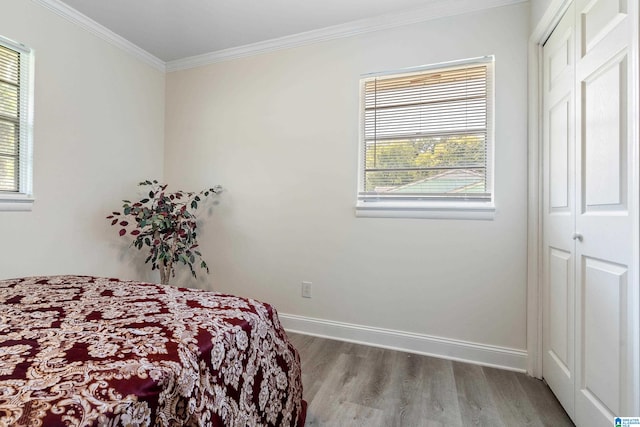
point(355, 385)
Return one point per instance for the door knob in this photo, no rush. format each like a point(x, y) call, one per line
point(577, 236)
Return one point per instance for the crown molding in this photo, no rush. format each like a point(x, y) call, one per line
point(436, 9)
point(104, 33)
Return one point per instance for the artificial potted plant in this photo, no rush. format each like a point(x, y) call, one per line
point(166, 224)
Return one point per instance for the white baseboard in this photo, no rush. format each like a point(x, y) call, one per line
point(463, 351)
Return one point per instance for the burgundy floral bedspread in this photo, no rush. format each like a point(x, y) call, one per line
point(86, 351)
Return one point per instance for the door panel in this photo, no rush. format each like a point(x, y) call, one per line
point(604, 216)
point(559, 55)
point(598, 18)
point(604, 291)
point(604, 123)
point(559, 212)
point(560, 280)
point(559, 155)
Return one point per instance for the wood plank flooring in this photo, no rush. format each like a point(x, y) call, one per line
point(355, 385)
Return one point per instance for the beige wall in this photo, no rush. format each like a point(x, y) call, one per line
point(99, 129)
point(280, 132)
point(538, 8)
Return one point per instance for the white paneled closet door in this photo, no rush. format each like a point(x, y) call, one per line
point(606, 152)
point(559, 212)
point(590, 265)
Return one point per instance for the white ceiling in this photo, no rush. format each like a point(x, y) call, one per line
point(177, 29)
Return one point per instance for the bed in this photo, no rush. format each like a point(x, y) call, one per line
point(88, 351)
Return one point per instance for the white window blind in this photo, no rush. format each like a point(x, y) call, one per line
point(15, 120)
point(426, 134)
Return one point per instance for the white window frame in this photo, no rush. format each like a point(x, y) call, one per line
point(23, 199)
point(421, 207)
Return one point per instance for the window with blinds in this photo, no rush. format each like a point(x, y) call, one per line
point(15, 126)
point(426, 134)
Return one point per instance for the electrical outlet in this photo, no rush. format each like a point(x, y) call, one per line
point(306, 289)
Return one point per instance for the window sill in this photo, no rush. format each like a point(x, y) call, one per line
point(15, 203)
point(432, 210)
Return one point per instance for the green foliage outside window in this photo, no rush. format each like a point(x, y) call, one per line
point(396, 163)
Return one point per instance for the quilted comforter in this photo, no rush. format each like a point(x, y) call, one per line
point(87, 351)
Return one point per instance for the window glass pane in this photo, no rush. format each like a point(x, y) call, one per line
point(402, 162)
point(425, 134)
point(12, 115)
point(447, 183)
